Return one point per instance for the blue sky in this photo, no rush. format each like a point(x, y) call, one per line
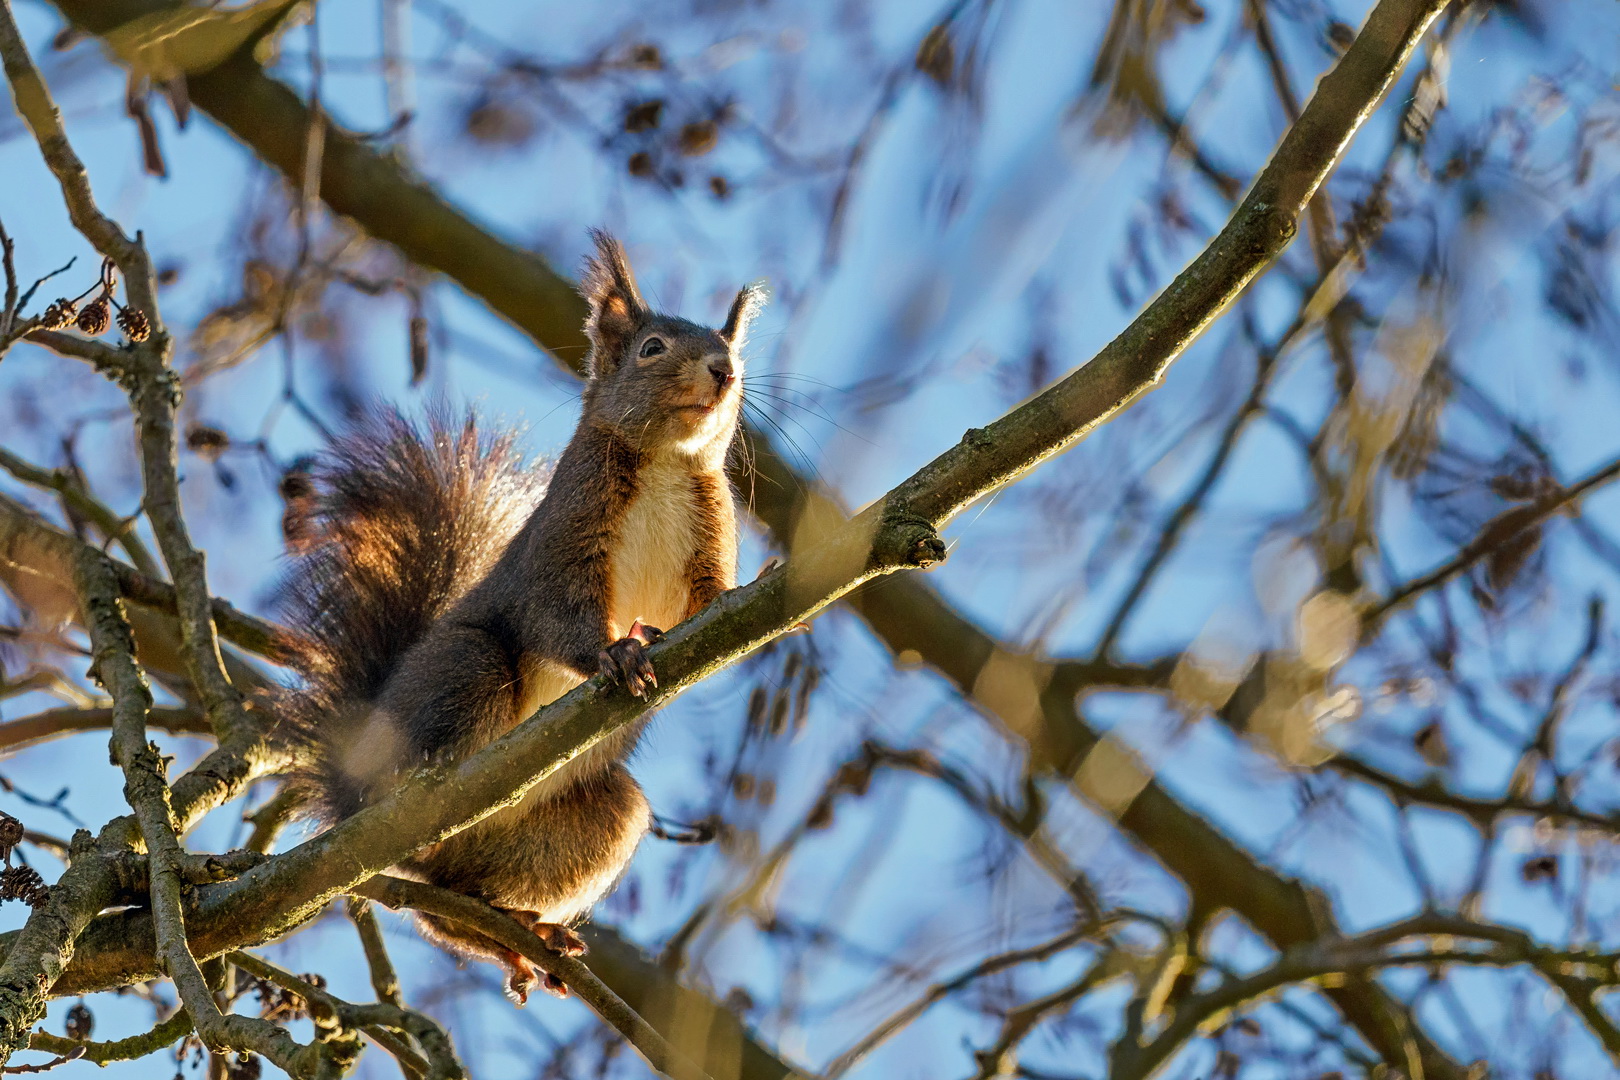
point(1004, 220)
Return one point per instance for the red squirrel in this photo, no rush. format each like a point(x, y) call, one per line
point(450, 592)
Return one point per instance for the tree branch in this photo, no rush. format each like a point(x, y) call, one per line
point(653, 1047)
point(897, 532)
point(152, 385)
point(170, 868)
point(42, 727)
point(163, 1035)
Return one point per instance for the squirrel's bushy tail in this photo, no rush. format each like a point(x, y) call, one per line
point(401, 521)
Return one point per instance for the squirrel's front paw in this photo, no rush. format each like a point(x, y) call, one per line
point(625, 661)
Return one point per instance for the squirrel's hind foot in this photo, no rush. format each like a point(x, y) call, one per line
point(555, 936)
point(523, 977)
point(520, 977)
point(625, 661)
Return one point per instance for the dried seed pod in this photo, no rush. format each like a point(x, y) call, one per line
point(758, 701)
point(206, 442)
point(79, 1022)
point(642, 116)
point(1539, 868)
point(698, 138)
point(132, 321)
point(820, 816)
point(646, 56)
point(1431, 744)
point(23, 883)
point(936, 56)
point(419, 348)
point(11, 834)
point(299, 526)
point(780, 709)
point(95, 319)
point(59, 315)
point(499, 121)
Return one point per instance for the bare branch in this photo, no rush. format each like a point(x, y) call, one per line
point(1499, 530)
point(169, 866)
point(383, 979)
point(398, 892)
point(164, 1035)
point(42, 727)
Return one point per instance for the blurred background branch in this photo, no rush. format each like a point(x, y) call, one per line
point(1312, 636)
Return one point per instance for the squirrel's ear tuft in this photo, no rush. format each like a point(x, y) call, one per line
point(616, 304)
point(743, 309)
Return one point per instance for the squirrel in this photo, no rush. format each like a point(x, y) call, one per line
point(444, 592)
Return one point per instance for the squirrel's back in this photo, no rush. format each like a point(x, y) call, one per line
point(404, 519)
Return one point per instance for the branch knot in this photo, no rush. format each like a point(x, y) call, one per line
point(907, 540)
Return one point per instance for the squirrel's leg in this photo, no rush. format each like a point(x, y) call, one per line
point(460, 940)
point(712, 569)
point(521, 975)
point(456, 690)
point(545, 862)
point(558, 938)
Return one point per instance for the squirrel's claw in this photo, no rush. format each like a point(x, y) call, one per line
point(523, 975)
point(625, 662)
point(563, 941)
point(520, 977)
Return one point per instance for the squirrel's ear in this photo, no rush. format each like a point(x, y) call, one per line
point(743, 309)
point(616, 304)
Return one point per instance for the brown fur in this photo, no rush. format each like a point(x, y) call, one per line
point(637, 522)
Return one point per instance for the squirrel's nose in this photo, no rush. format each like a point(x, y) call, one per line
point(721, 370)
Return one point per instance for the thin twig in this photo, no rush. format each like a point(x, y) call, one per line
point(1502, 529)
point(163, 1035)
point(383, 978)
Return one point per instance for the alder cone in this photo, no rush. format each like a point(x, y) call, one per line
point(133, 322)
point(59, 315)
point(95, 319)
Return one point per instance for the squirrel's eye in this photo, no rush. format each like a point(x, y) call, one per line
point(653, 346)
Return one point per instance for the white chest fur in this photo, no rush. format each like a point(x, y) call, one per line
point(655, 542)
point(654, 546)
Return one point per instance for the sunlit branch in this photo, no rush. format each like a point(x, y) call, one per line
point(162, 1036)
